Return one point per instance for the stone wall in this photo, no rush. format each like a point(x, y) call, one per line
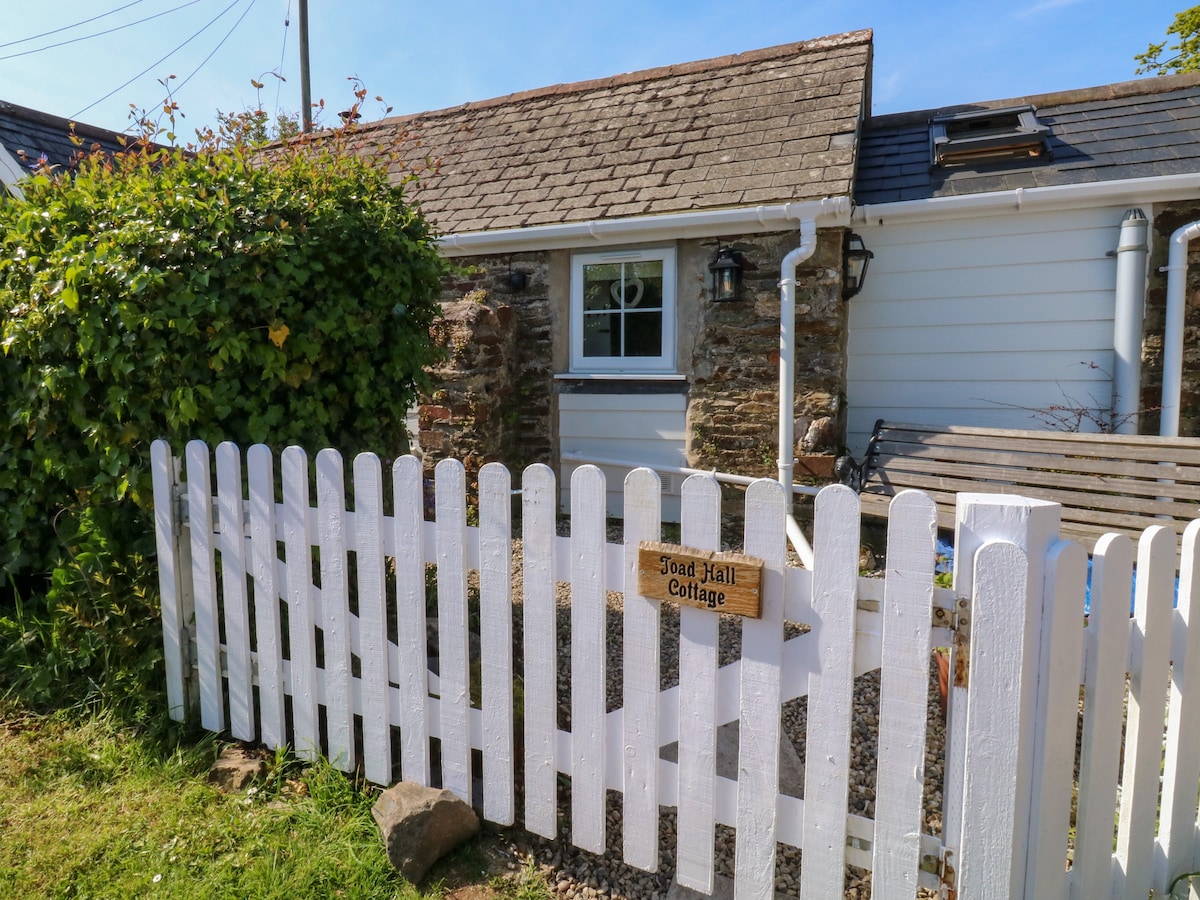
point(494, 397)
point(733, 417)
point(1167, 219)
point(490, 399)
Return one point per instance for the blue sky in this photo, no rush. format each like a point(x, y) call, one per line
point(423, 56)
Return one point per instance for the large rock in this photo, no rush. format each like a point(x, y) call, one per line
point(237, 768)
point(420, 825)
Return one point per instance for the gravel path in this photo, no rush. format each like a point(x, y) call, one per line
point(576, 874)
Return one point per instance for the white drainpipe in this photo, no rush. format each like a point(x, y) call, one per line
point(1132, 251)
point(787, 377)
point(1172, 384)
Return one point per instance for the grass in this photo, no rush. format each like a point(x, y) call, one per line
point(91, 808)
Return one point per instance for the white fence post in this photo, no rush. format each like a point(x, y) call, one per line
point(1032, 525)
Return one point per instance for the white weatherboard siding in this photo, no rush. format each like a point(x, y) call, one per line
point(646, 429)
point(965, 321)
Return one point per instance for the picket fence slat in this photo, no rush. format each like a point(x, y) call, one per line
point(830, 693)
point(496, 653)
point(539, 505)
point(588, 658)
point(1054, 751)
point(992, 758)
point(411, 663)
point(212, 709)
point(232, 546)
point(1107, 639)
point(1015, 718)
point(335, 606)
point(1150, 647)
point(1181, 768)
point(759, 729)
point(372, 640)
point(903, 702)
point(700, 516)
point(640, 678)
point(453, 639)
point(302, 639)
point(174, 572)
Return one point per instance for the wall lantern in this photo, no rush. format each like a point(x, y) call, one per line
point(855, 259)
point(517, 281)
point(727, 275)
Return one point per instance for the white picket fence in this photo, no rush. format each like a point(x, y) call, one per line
point(341, 669)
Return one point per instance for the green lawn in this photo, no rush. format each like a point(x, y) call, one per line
point(89, 808)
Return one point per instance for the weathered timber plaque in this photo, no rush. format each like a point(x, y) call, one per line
point(708, 579)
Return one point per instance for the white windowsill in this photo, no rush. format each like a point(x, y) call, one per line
point(617, 376)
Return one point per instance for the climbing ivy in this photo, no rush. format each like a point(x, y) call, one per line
point(218, 292)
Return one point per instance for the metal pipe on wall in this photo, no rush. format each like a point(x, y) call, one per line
point(1132, 253)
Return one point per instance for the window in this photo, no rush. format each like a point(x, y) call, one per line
point(989, 135)
point(623, 311)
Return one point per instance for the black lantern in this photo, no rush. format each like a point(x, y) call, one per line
point(727, 275)
point(855, 258)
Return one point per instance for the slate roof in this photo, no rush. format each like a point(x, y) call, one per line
point(1133, 129)
point(768, 126)
point(28, 134)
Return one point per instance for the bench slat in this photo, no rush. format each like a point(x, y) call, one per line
point(1105, 482)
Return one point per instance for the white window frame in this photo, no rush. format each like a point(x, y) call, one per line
point(665, 362)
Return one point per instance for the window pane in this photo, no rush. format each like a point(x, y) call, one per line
point(602, 334)
point(644, 285)
point(643, 333)
point(601, 286)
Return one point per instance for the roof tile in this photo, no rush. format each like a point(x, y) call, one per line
point(699, 135)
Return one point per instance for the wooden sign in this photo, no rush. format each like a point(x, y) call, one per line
point(708, 579)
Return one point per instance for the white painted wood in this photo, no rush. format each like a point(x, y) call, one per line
point(335, 607)
point(1031, 288)
point(904, 684)
point(588, 659)
point(454, 673)
point(172, 573)
point(1054, 748)
point(646, 429)
point(698, 641)
point(204, 583)
point(495, 607)
point(988, 864)
point(539, 502)
point(759, 729)
point(264, 568)
point(1033, 526)
point(233, 591)
point(830, 692)
point(1150, 653)
point(372, 618)
point(640, 679)
point(302, 607)
point(1106, 640)
point(408, 497)
point(1181, 768)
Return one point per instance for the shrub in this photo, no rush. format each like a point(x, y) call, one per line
point(217, 293)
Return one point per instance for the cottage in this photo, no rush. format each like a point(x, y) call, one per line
point(597, 224)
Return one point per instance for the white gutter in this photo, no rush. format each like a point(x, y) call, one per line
point(1172, 378)
point(10, 173)
point(1064, 196)
point(832, 211)
point(1132, 251)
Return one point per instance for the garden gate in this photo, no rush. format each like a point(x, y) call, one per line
point(306, 625)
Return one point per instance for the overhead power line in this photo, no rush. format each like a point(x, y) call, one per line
point(161, 60)
point(88, 37)
point(34, 37)
point(287, 20)
point(220, 43)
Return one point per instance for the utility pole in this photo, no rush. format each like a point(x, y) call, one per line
point(305, 84)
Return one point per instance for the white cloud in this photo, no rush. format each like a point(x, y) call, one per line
point(1044, 7)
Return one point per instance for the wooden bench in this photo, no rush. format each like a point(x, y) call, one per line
point(1105, 482)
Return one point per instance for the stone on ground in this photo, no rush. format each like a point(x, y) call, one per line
point(420, 825)
point(236, 769)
